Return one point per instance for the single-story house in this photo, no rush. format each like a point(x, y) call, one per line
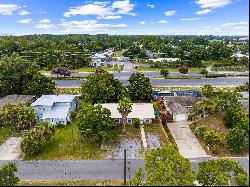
point(55, 109)
point(164, 59)
point(143, 111)
point(178, 111)
point(14, 99)
point(180, 106)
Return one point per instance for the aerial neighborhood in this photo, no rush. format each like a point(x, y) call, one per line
point(97, 102)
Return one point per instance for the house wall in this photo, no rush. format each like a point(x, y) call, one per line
point(184, 114)
point(39, 111)
point(131, 120)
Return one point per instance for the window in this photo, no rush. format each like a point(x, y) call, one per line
point(129, 120)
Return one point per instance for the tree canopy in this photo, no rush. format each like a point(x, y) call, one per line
point(94, 122)
point(7, 175)
point(140, 88)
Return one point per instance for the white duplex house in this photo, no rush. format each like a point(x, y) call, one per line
point(55, 109)
point(143, 111)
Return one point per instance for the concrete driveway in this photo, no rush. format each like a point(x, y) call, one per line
point(10, 149)
point(186, 141)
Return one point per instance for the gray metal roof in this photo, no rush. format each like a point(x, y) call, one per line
point(14, 99)
point(183, 100)
point(49, 100)
point(176, 108)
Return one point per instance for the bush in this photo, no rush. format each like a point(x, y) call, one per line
point(222, 172)
point(164, 72)
point(237, 140)
point(200, 130)
point(215, 149)
point(211, 137)
point(33, 139)
point(215, 75)
point(137, 123)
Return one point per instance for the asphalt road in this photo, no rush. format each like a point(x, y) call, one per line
point(87, 169)
point(222, 81)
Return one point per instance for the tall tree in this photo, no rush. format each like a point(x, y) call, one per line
point(100, 88)
point(125, 107)
point(94, 122)
point(140, 88)
point(164, 166)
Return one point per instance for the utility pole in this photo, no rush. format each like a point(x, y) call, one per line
point(125, 167)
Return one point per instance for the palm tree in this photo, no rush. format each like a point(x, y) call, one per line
point(125, 107)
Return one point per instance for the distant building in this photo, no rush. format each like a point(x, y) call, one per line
point(15, 99)
point(162, 94)
point(164, 59)
point(239, 55)
point(144, 111)
point(150, 54)
point(98, 59)
point(55, 109)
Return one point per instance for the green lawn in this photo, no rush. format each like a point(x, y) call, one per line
point(148, 68)
point(179, 77)
point(4, 133)
point(61, 147)
point(67, 91)
point(117, 54)
point(72, 183)
point(156, 129)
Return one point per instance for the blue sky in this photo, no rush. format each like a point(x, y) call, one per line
point(217, 17)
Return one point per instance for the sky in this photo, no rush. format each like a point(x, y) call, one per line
point(150, 17)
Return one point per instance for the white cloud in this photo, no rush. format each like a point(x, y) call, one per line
point(25, 21)
point(88, 26)
point(170, 13)
point(151, 6)
point(213, 3)
point(191, 19)
point(103, 10)
point(162, 21)
point(44, 21)
point(143, 22)
point(234, 28)
point(235, 24)
point(205, 11)
point(8, 9)
point(45, 26)
point(23, 13)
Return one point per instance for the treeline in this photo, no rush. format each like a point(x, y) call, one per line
point(74, 51)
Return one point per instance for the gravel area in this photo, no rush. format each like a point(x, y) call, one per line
point(153, 141)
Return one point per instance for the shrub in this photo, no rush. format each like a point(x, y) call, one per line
point(200, 130)
point(164, 72)
point(222, 172)
point(237, 140)
point(215, 75)
point(215, 149)
point(211, 137)
point(33, 139)
point(136, 123)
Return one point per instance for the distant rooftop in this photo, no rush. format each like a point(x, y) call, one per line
point(49, 100)
point(14, 99)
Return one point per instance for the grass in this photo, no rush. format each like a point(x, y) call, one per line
point(215, 122)
point(156, 129)
point(69, 78)
point(93, 69)
point(148, 68)
point(216, 88)
point(179, 77)
point(71, 183)
point(171, 138)
point(117, 54)
point(61, 147)
point(67, 91)
point(4, 133)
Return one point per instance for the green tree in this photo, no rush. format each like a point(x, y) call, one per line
point(19, 116)
point(124, 108)
point(207, 90)
point(7, 175)
point(20, 76)
point(39, 85)
point(235, 116)
point(222, 172)
point(36, 137)
point(140, 88)
point(165, 167)
point(237, 140)
point(204, 72)
point(94, 122)
point(101, 88)
point(164, 72)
